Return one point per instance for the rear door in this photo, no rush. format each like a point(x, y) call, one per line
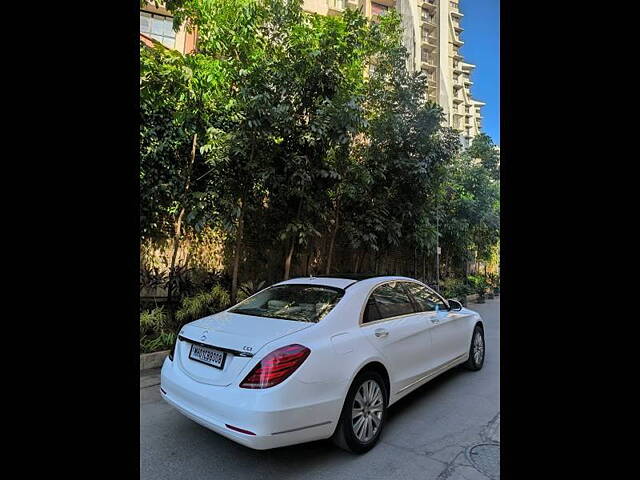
point(449, 333)
point(392, 326)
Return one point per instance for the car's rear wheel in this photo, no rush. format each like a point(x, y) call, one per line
point(363, 414)
point(476, 350)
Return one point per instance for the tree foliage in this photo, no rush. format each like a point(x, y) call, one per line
point(311, 140)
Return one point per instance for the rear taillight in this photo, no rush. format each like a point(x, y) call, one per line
point(276, 367)
point(173, 349)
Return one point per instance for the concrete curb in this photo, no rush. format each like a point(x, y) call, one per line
point(152, 360)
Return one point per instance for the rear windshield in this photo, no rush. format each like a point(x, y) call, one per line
point(303, 303)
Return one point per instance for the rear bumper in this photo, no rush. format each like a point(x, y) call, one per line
point(278, 417)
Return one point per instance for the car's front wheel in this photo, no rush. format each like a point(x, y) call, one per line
point(363, 414)
point(476, 350)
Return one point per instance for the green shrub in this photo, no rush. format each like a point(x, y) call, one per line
point(203, 304)
point(156, 343)
point(455, 288)
point(249, 288)
point(155, 334)
point(152, 321)
point(478, 284)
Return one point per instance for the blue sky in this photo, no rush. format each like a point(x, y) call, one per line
point(481, 36)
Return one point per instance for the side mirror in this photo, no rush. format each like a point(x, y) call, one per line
point(454, 305)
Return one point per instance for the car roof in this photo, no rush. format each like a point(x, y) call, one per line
point(341, 281)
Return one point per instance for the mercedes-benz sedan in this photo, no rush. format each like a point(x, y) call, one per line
point(314, 358)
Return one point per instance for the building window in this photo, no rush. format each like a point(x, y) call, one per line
point(338, 4)
point(377, 9)
point(158, 27)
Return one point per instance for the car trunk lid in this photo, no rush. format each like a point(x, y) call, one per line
point(239, 336)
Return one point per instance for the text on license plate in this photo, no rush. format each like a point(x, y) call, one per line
point(209, 356)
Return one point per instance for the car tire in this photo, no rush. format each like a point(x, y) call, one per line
point(476, 350)
point(351, 430)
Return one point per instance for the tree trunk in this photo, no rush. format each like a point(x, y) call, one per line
point(178, 228)
point(333, 238)
point(238, 251)
point(307, 267)
point(174, 255)
point(287, 261)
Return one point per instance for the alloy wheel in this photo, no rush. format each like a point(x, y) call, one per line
point(367, 410)
point(478, 347)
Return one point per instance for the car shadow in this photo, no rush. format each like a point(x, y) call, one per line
point(299, 459)
point(414, 399)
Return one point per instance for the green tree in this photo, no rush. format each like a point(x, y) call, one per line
point(485, 150)
point(405, 144)
point(471, 207)
point(175, 107)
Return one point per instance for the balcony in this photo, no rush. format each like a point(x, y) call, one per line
point(430, 5)
point(457, 99)
point(428, 21)
point(429, 64)
point(429, 42)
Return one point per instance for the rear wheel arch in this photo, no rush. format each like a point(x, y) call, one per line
point(381, 370)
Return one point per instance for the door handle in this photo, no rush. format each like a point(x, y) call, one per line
point(381, 332)
point(435, 320)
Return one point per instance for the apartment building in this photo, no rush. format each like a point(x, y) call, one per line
point(432, 35)
point(433, 31)
point(157, 23)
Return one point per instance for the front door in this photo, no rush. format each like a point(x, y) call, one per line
point(448, 333)
point(401, 335)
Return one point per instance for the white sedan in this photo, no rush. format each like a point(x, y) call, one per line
point(319, 357)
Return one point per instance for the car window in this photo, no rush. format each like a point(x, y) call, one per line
point(426, 300)
point(303, 303)
point(392, 300)
point(371, 312)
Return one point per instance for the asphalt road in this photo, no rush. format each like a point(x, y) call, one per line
point(430, 434)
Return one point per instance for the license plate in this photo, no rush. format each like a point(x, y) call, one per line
point(208, 356)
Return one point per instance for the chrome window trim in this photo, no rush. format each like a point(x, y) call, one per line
point(446, 303)
point(382, 320)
